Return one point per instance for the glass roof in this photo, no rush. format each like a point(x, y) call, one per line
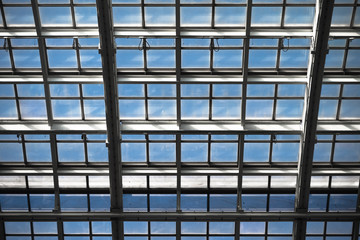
point(179, 119)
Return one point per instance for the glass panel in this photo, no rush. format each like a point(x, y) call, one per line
point(195, 16)
point(195, 58)
point(265, 16)
point(230, 16)
point(262, 58)
point(86, 16)
point(162, 152)
point(259, 109)
point(299, 15)
point(133, 152)
point(161, 58)
point(228, 59)
point(55, 16)
point(162, 109)
point(294, 58)
point(226, 109)
point(16, 16)
point(160, 16)
point(127, 16)
point(223, 152)
point(26, 58)
point(194, 109)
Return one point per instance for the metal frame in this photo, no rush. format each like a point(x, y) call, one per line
point(309, 127)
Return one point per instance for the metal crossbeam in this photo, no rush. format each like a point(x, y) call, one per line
point(315, 74)
point(181, 216)
point(143, 170)
point(171, 127)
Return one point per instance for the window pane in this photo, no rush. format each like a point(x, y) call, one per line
point(55, 16)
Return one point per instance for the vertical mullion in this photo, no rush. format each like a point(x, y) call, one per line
point(143, 14)
point(211, 49)
point(72, 14)
point(11, 55)
point(275, 102)
point(43, 59)
point(23, 148)
point(144, 49)
point(332, 151)
point(3, 17)
point(245, 60)
point(209, 148)
point(346, 51)
point(17, 101)
point(82, 103)
point(84, 137)
point(240, 171)
point(272, 139)
point(77, 49)
point(211, 101)
point(147, 149)
point(178, 173)
point(355, 234)
point(178, 62)
point(340, 102)
point(146, 100)
point(212, 14)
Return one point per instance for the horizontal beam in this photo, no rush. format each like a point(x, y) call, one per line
point(143, 79)
point(170, 127)
point(190, 171)
point(84, 79)
point(185, 32)
point(182, 216)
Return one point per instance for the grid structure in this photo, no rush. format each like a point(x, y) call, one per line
point(179, 119)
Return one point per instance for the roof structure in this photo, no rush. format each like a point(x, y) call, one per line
point(179, 119)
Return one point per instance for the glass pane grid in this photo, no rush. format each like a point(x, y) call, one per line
point(197, 71)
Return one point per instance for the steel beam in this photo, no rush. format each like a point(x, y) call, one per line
point(254, 170)
point(170, 79)
point(245, 60)
point(315, 75)
point(181, 216)
point(108, 55)
point(171, 127)
point(185, 32)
